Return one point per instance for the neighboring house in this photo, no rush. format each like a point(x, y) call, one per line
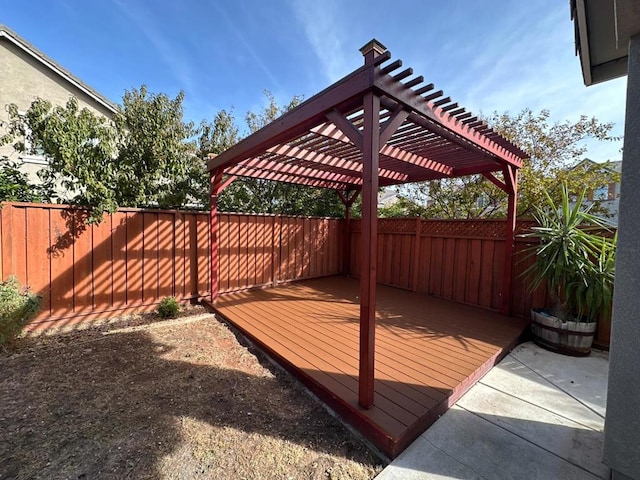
point(608, 194)
point(387, 197)
point(27, 74)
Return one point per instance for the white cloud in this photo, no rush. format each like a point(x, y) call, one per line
point(325, 31)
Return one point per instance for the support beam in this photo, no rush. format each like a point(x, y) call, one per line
point(215, 184)
point(227, 182)
point(370, 159)
point(511, 179)
point(346, 127)
point(345, 93)
point(492, 178)
point(392, 124)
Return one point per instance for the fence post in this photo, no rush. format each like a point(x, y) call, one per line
point(416, 254)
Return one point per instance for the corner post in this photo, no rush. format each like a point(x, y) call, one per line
point(511, 181)
point(370, 159)
point(215, 183)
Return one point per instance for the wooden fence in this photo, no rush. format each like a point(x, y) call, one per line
point(136, 257)
point(460, 260)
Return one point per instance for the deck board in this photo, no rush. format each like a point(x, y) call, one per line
point(428, 351)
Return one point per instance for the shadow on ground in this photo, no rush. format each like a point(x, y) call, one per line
point(183, 401)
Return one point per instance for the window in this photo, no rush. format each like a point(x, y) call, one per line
point(601, 193)
point(32, 153)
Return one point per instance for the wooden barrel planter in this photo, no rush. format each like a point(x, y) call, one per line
point(569, 338)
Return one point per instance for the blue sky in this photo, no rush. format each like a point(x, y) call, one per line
point(499, 55)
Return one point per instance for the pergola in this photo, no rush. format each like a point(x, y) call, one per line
point(376, 127)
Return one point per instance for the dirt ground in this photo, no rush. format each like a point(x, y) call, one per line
point(180, 399)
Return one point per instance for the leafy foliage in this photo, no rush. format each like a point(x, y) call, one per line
point(573, 257)
point(17, 307)
point(168, 307)
point(154, 152)
point(80, 147)
point(556, 151)
point(15, 186)
point(148, 156)
point(139, 159)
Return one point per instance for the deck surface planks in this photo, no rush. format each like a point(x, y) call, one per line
point(429, 351)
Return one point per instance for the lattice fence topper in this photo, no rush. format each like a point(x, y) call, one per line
point(397, 225)
point(448, 228)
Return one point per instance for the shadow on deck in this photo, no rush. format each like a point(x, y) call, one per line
point(429, 351)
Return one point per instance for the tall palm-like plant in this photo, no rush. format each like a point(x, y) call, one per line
point(573, 257)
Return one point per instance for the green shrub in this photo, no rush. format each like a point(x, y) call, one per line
point(17, 306)
point(168, 307)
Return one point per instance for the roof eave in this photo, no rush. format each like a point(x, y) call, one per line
point(15, 39)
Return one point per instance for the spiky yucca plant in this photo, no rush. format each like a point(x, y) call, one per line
point(573, 257)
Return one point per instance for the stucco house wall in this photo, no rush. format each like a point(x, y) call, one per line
point(28, 74)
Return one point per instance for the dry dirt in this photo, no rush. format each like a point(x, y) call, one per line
point(179, 399)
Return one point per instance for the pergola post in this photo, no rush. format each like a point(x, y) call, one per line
point(368, 278)
point(511, 182)
point(347, 199)
point(215, 184)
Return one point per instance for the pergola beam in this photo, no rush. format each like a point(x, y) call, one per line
point(347, 92)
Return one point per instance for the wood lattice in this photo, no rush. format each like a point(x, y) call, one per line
point(448, 228)
point(397, 225)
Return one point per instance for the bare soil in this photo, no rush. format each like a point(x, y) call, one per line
point(181, 399)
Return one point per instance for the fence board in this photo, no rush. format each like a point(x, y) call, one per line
point(119, 248)
point(61, 265)
point(102, 265)
point(82, 264)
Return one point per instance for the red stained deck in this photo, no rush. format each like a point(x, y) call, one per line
point(428, 351)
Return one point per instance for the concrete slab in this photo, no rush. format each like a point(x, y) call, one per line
point(519, 380)
point(536, 415)
point(583, 378)
point(569, 440)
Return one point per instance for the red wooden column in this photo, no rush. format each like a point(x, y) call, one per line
point(215, 183)
point(511, 182)
point(368, 277)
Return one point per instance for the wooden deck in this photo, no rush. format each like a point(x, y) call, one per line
point(428, 351)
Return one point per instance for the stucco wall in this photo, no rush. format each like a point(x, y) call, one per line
point(622, 425)
point(24, 79)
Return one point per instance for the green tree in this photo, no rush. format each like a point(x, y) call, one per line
point(212, 138)
point(78, 144)
point(144, 157)
point(155, 153)
point(556, 151)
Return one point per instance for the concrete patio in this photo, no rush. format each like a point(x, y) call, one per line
point(537, 415)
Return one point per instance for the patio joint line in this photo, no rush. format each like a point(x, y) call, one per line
point(560, 388)
point(540, 407)
point(595, 476)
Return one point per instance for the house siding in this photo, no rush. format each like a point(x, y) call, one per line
point(25, 78)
